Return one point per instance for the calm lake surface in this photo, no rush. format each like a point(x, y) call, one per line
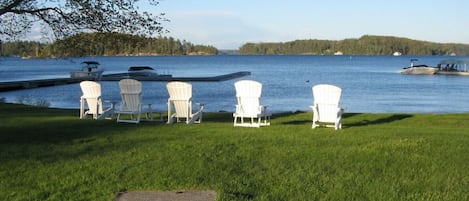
point(370, 84)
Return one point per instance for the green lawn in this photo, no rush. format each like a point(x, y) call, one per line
point(49, 154)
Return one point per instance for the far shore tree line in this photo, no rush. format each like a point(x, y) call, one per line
point(118, 44)
point(105, 44)
point(365, 45)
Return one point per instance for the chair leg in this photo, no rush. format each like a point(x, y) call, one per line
point(139, 115)
point(82, 108)
point(199, 117)
point(118, 117)
point(338, 125)
point(149, 115)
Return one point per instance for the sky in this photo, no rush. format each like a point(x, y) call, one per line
point(228, 24)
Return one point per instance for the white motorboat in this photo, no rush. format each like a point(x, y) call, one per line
point(397, 54)
point(144, 71)
point(141, 71)
point(418, 69)
point(88, 70)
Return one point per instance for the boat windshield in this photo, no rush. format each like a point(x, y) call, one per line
point(90, 64)
point(137, 68)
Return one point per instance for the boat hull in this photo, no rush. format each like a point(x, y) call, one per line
point(419, 70)
point(81, 74)
point(146, 73)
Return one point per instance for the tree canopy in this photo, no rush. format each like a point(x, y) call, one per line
point(64, 18)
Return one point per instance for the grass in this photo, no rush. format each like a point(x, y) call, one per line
point(49, 154)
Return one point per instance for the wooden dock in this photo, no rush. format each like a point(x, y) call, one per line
point(166, 78)
point(28, 84)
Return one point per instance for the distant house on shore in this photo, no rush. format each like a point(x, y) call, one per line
point(338, 53)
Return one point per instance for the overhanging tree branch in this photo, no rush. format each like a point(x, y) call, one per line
point(69, 17)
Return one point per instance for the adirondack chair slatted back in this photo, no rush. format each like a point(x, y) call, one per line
point(131, 94)
point(180, 98)
point(326, 104)
point(249, 107)
point(92, 96)
point(248, 94)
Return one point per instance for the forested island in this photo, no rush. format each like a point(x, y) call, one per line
point(366, 45)
point(105, 44)
point(117, 44)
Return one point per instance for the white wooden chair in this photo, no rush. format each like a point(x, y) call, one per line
point(91, 102)
point(326, 109)
point(132, 108)
point(248, 95)
point(180, 103)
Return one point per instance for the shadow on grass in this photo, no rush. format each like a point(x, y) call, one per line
point(282, 118)
point(348, 119)
point(218, 117)
point(50, 135)
point(293, 118)
point(32, 125)
point(368, 121)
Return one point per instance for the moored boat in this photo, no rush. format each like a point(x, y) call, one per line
point(88, 70)
point(418, 69)
point(142, 71)
point(397, 54)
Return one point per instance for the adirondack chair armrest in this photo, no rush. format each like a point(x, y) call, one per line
point(264, 111)
point(263, 108)
point(112, 103)
point(146, 104)
point(201, 106)
point(237, 109)
point(149, 111)
point(315, 109)
point(340, 111)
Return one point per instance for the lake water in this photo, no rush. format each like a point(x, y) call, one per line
point(370, 84)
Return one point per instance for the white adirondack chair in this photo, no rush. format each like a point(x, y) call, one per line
point(91, 102)
point(180, 103)
point(131, 105)
point(248, 95)
point(326, 109)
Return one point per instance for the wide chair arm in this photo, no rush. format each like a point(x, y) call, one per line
point(109, 112)
point(197, 116)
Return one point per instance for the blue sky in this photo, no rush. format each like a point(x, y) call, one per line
point(228, 24)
